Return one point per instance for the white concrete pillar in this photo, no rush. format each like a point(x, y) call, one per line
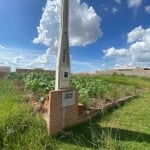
point(63, 54)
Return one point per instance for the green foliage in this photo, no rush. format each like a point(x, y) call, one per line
point(39, 82)
point(100, 88)
point(89, 87)
point(15, 76)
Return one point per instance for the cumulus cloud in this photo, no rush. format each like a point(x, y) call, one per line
point(140, 48)
point(115, 52)
point(136, 34)
point(84, 24)
point(84, 27)
point(49, 24)
point(134, 3)
point(114, 9)
point(118, 1)
point(47, 60)
point(147, 9)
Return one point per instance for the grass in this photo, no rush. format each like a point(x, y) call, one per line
point(19, 128)
point(138, 82)
point(125, 128)
point(131, 123)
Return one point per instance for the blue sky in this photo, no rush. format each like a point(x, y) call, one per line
point(103, 33)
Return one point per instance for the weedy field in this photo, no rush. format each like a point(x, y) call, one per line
point(91, 88)
point(124, 128)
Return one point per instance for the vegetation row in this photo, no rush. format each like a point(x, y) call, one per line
point(100, 88)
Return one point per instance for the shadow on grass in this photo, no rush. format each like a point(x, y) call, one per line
point(1, 139)
point(127, 135)
point(91, 135)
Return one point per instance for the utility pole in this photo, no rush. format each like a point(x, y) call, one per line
point(63, 54)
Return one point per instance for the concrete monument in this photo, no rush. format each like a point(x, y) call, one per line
point(63, 101)
point(63, 55)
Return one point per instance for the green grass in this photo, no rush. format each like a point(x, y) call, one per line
point(19, 128)
point(131, 123)
point(138, 82)
point(124, 128)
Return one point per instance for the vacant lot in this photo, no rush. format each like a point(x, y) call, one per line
point(124, 128)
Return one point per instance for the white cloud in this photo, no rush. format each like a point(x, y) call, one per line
point(140, 57)
point(134, 3)
point(142, 46)
point(136, 34)
point(49, 24)
point(17, 58)
point(2, 47)
point(84, 24)
point(138, 52)
point(147, 9)
point(114, 9)
point(117, 65)
point(140, 49)
point(115, 52)
point(118, 1)
point(44, 61)
point(84, 28)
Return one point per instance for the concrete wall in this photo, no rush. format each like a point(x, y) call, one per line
point(128, 71)
point(4, 69)
point(135, 71)
point(34, 70)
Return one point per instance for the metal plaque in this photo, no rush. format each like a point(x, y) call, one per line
point(68, 99)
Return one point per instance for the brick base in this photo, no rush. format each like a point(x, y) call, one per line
point(61, 117)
